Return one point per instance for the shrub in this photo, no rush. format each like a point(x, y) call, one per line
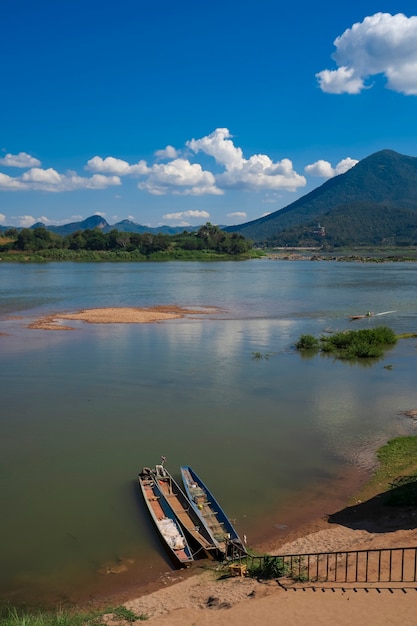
point(270, 567)
point(307, 342)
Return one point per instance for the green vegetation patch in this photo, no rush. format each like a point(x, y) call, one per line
point(396, 472)
point(352, 344)
point(268, 567)
point(12, 616)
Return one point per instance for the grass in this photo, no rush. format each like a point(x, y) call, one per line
point(407, 336)
point(257, 356)
point(269, 567)
point(353, 344)
point(11, 616)
point(396, 473)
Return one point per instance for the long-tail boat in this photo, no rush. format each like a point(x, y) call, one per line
point(164, 519)
point(212, 516)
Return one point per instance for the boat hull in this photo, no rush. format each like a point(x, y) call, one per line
point(210, 513)
point(165, 521)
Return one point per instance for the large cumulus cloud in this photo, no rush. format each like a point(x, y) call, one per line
point(381, 44)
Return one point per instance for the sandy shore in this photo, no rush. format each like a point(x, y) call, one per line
point(118, 315)
point(212, 597)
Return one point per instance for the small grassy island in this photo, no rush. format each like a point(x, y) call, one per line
point(352, 344)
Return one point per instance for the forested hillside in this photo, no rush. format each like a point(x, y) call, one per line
point(374, 202)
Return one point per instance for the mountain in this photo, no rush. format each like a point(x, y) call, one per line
point(131, 227)
point(374, 201)
point(95, 221)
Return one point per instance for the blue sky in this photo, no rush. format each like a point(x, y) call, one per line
point(186, 112)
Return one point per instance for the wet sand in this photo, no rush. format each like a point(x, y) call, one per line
point(118, 315)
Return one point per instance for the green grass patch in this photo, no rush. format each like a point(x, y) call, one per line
point(352, 344)
point(268, 567)
point(307, 342)
point(12, 616)
point(396, 474)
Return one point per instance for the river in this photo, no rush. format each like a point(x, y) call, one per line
point(83, 411)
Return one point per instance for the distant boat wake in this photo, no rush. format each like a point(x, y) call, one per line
point(369, 314)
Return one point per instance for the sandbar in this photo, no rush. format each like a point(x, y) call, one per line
point(119, 315)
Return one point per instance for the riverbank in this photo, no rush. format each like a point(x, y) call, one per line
point(211, 597)
point(368, 521)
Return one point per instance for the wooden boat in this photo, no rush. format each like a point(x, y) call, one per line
point(360, 317)
point(164, 519)
point(369, 314)
point(210, 513)
point(184, 512)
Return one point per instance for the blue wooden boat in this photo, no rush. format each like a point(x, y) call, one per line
point(164, 519)
point(211, 514)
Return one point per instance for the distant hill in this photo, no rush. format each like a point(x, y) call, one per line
point(372, 203)
point(130, 227)
point(96, 221)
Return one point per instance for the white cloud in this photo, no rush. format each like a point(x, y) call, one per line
point(238, 214)
point(2, 218)
point(345, 164)
point(181, 215)
point(320, 168)
point(342, 80)
point(261, 173)
point(325, 169)
point(19, 160)
point(26, 221)
point(43, 177)
point(37, 179)
point(258, 172)
point(111, 165)
point(179, 177)
point(8, 183)
point(167, 153)
point(47, 221)
point(220, 146)
point(381, 44)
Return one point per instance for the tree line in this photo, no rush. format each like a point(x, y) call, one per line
point(207, 238)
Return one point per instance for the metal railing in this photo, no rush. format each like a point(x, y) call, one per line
point(385, 565)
